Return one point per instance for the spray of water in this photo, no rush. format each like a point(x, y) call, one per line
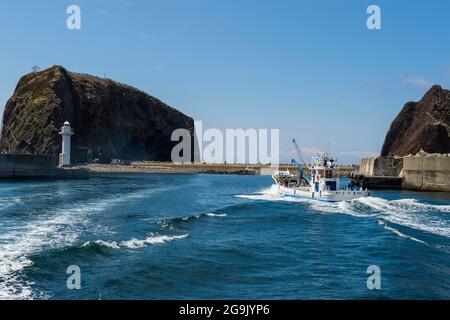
point(410, 213)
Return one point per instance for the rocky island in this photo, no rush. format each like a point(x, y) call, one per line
point(422, 125)
point(110, 120)
point(416, 151)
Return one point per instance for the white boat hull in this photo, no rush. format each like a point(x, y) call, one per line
point(326, 196)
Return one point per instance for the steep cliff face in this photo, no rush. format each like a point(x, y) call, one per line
point(421, 125)
point(110, 120)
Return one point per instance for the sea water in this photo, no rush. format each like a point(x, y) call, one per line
point(217, 237)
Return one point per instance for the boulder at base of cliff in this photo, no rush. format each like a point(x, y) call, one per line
point(110, 120)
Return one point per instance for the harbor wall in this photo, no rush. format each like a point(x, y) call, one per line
point(14, 166)
point(35, 167)
point(422, 172)
point(426, 173)
point(381, 166)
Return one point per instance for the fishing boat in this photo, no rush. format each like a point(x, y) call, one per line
point(323, 183)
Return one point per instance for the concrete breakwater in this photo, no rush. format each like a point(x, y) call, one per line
point(426, 173)
point(421, 172)
point(31, 166)
point(201, 168)
point(381, 166)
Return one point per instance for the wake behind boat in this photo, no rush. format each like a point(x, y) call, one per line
point(322, 185)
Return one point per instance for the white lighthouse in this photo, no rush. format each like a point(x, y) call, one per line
point(64, 156)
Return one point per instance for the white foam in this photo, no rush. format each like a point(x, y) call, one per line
point(400, 234)
point(401, 205)
point(53, 229)
point(406, 212)
point(135, 243)
point(152, 239)
point(216, 215)
point(272, 194)
point(413, 204)
point(342, 207)
point(8, 202)
point(166, 222)
point(46, 232)
point(111, 244)
point(412, 214)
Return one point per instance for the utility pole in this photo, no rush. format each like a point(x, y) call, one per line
point(35, 68)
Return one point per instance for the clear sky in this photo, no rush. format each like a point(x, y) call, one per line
point(310, 68)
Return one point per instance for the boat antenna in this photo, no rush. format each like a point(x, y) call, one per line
point(299, 154)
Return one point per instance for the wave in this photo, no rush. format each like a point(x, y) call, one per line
point(52, 229)
point(411, 213)
point(401, 205)
point(272, 194)
point(101, 243)
point(8, 202)
point(400, 234)
point(22, 241)
point(216, 214)
point(135, 243)
point(169, 222)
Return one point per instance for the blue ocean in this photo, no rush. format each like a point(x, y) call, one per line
point(217, 237)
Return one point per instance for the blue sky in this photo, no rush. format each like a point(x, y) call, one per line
point(310, 68)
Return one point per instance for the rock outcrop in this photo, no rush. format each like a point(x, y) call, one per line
point(110, 120)
point(423, 125)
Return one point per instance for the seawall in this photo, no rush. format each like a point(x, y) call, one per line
point(426, 173)
point(421, 172)
point(27, 166)
point(381, 166)
point(203, 168)
point(31, 166)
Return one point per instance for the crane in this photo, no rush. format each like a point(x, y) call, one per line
point(297, 149)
